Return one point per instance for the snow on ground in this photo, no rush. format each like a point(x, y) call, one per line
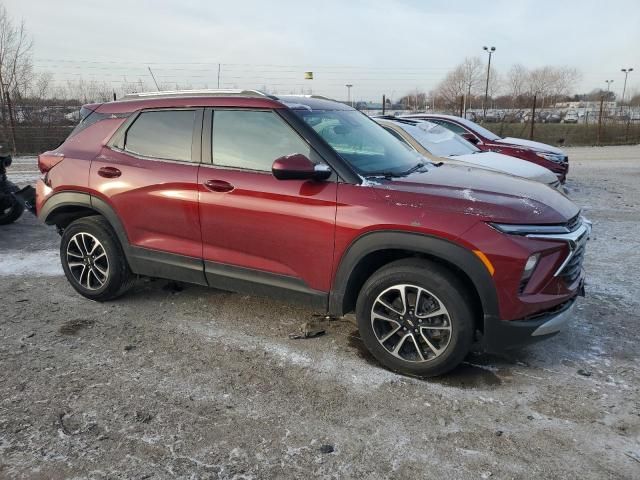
point(41, 263)
point(200, 383)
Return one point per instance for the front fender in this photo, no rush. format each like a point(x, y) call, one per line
point(444, 250)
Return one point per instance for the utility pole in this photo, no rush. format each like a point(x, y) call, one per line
point(349, 85)
point(600, 119)
point(486, 90)
point(626, 72)
point(533, 116)
point(154, 78)
point(384, 103)
point(219, 67)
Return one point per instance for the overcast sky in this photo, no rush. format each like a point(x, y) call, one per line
point(379, 46)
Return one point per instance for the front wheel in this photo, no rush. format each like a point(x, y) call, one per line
point(11, 211)
point(93, 260)
point(415, 317)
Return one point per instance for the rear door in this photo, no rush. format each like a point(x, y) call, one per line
point(278, 234)
point(148, 174)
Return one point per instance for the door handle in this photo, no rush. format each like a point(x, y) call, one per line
point(218, 186)
point(109, 172)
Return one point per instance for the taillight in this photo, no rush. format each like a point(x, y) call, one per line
point(46, 161)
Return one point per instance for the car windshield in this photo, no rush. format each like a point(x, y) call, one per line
point(439, 140)
point(361, 142)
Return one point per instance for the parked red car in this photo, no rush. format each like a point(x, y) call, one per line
point(542, 154)
point(308, 199)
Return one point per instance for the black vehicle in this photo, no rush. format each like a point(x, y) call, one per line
point(13, 200)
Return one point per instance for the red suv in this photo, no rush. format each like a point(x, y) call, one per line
point(541, 154)
point(308, 199)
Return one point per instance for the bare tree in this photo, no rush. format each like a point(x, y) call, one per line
point(516, 81)
point(15, 66)
point(472, 69)
point(451, 89)
point(549, 83)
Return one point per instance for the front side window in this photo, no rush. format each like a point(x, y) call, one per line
point(365, 145)
point(162, 134)
point(253, 140)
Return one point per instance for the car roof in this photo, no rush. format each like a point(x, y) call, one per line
point(312, 102)
point(217, 98)
point(400, 120)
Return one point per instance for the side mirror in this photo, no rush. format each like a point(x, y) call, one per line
point(298, 167)
point(470, 137)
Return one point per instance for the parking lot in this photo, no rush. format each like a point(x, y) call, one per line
point(180, 381)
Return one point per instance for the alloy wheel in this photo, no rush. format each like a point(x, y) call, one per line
point(87, 261)
point(411, 323)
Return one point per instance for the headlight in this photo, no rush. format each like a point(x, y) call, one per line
point(552, 157)
point(529, 229)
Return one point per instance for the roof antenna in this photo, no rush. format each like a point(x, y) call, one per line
point(154, 78)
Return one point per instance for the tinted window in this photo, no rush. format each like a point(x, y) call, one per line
point(162, 134)
point(253, 140)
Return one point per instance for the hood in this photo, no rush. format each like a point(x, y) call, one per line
point(531, 144)
point(474, 191)
point(510, 165)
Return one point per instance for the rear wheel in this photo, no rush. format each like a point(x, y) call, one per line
point(93, 260)
point(414, 316)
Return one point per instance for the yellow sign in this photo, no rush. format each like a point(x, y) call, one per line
point(308, 75)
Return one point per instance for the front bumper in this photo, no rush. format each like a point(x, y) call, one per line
point(500, 335)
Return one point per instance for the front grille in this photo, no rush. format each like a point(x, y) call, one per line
point(572, 269)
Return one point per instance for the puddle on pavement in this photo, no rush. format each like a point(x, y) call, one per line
point(469, 376)
point(464, 376)
point(71, 327)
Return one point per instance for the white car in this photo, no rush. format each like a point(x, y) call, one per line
point(440, 144)
point(571, 117)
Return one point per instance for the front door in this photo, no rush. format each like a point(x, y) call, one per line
point(260, 233)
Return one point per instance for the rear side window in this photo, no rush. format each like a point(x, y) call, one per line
point(449, 126)
point(87, 118)
point(252, 140)
point(162, 134)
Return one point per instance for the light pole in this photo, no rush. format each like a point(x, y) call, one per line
point(608, 82)
point(349, 85)
point(626, 72)
point(486, 90)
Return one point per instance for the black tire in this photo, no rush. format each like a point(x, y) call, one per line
point(12, 213)
point(118, 279)
point(448, 290)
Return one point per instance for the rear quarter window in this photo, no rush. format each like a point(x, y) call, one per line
point(162, 134)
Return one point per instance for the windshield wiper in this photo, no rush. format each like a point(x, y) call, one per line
point(390, 174)
point(413, 169)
